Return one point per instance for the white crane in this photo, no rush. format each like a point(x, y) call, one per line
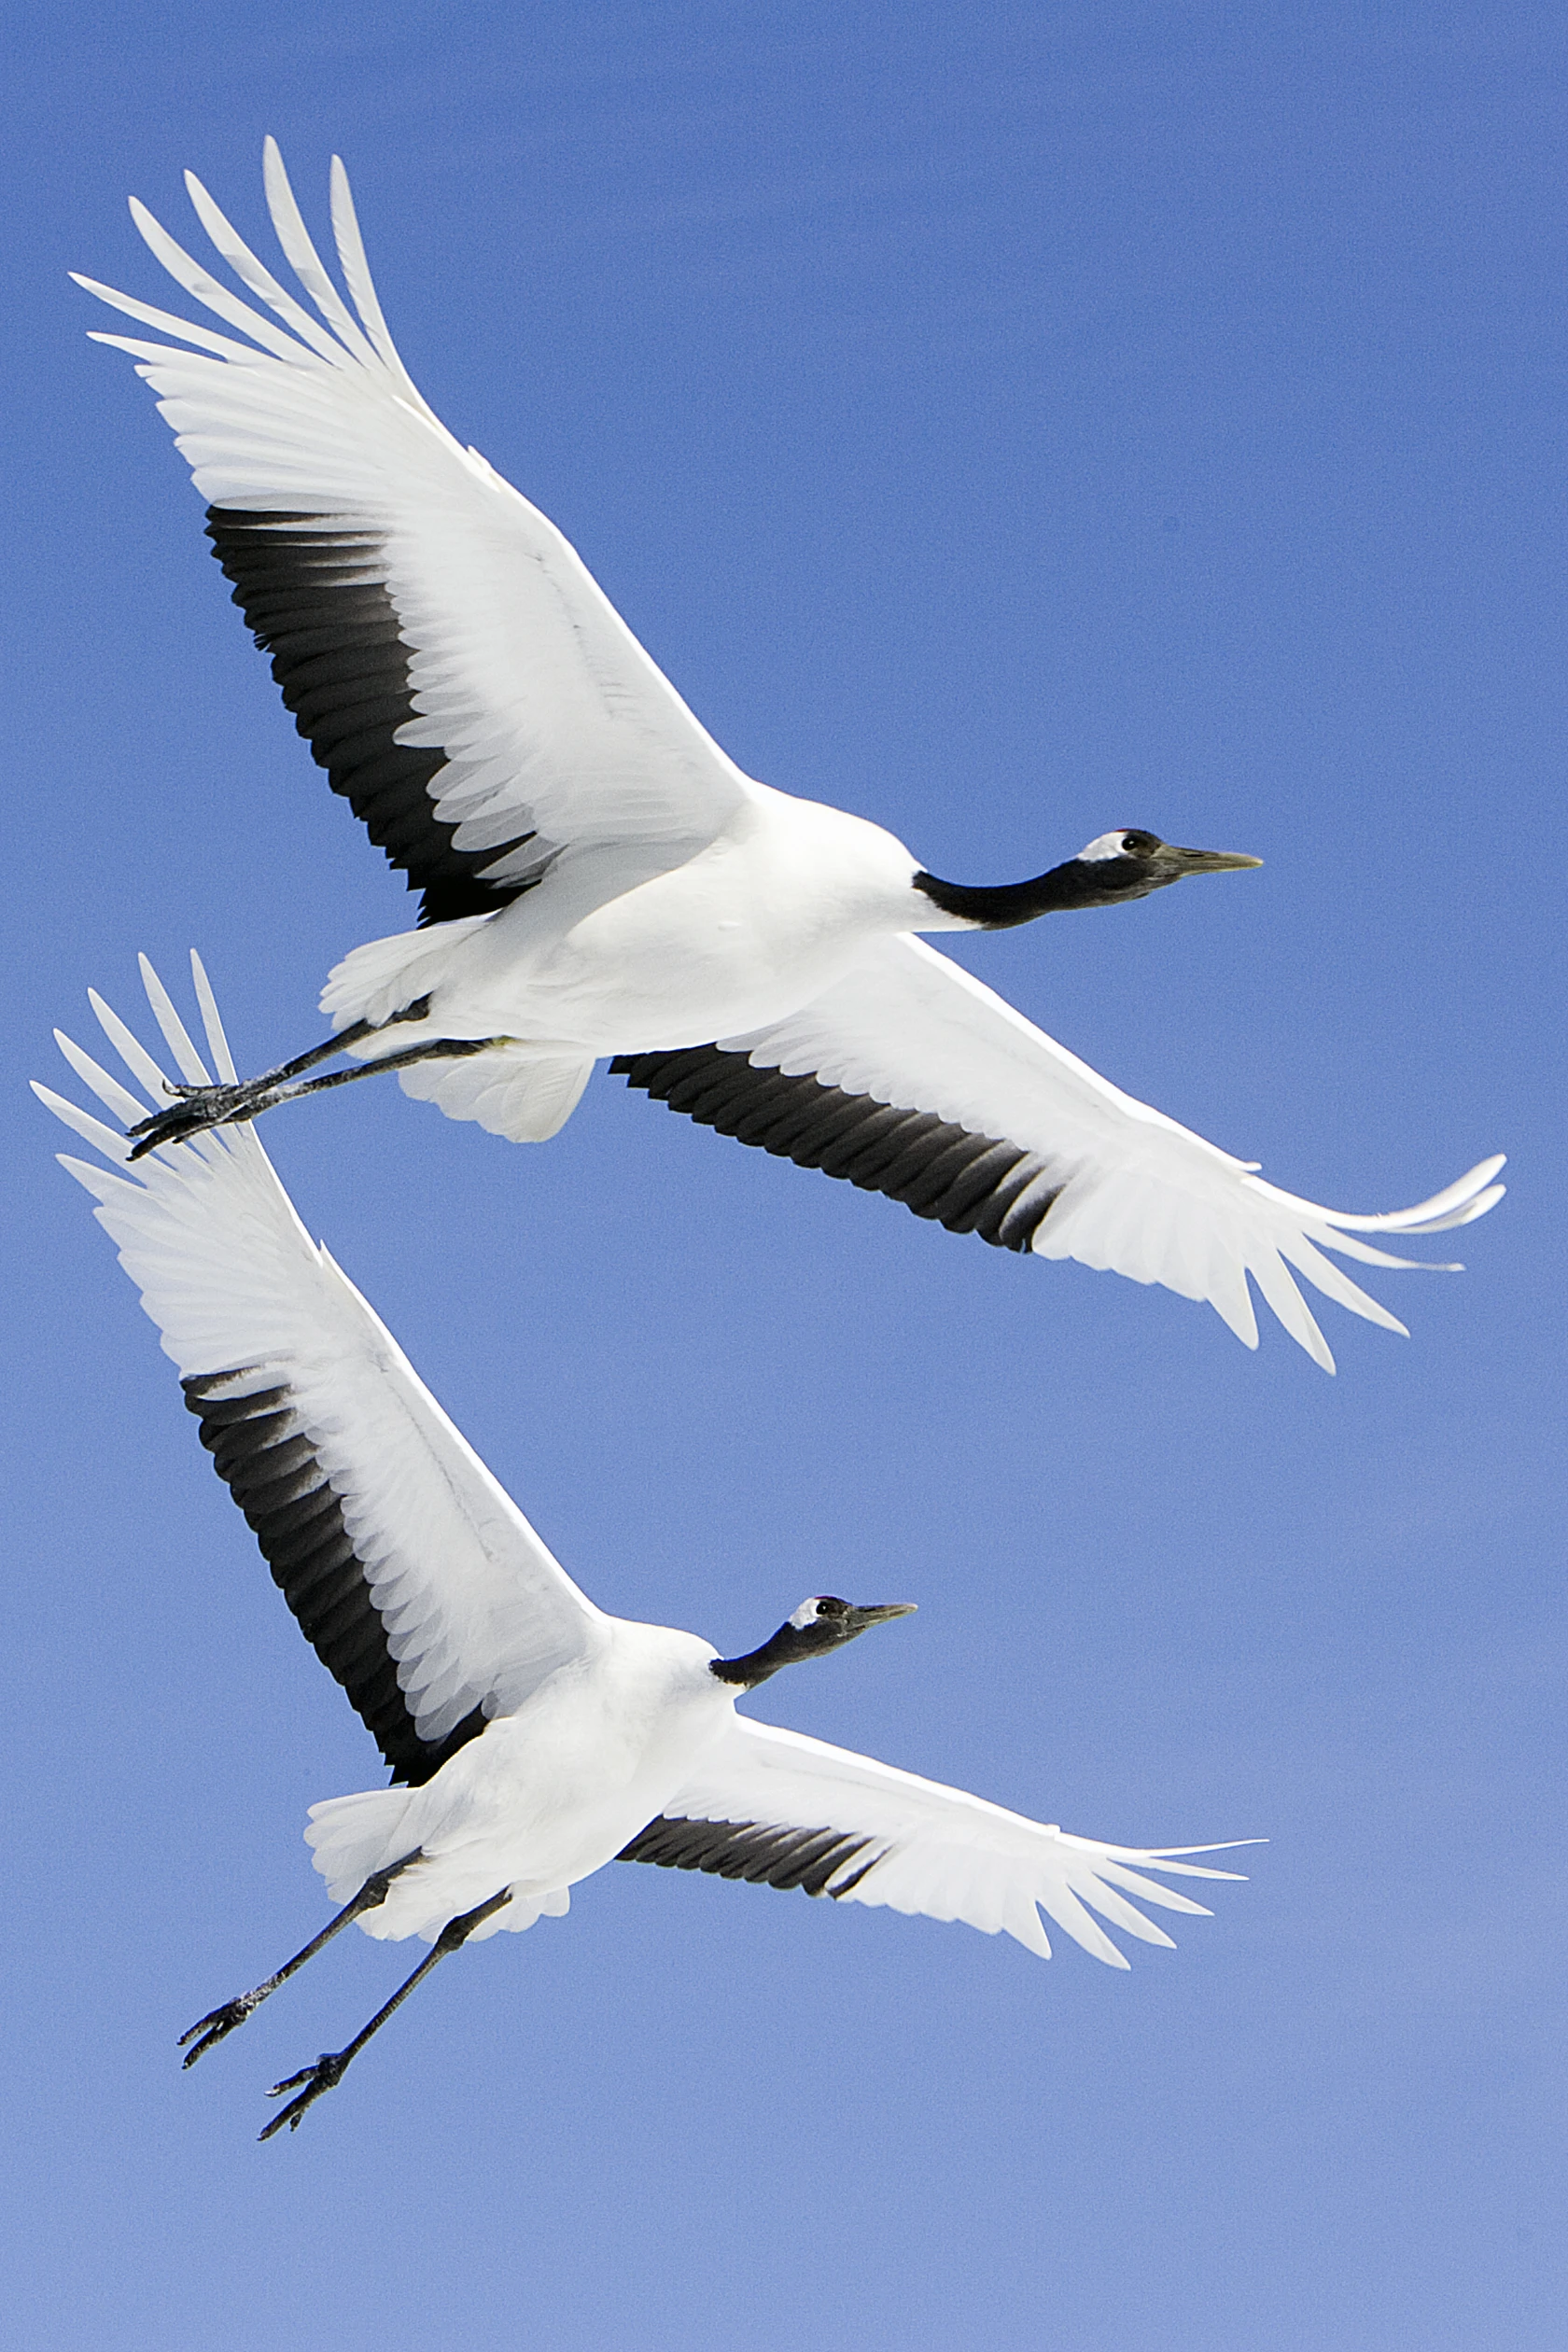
point(599, 879)
point(535, 1738)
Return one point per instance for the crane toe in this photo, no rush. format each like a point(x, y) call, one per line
point(327, 2073)
point(198, 1108)
point(214, 2025)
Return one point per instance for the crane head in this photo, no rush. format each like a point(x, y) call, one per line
point(822, 1622)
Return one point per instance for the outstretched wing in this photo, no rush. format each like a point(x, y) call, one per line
point(783, 1810)
point(409, 1569)
point(912, 1078)
point(456, 670)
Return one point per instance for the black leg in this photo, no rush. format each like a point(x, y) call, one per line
point(219, 2022)
point(333, 2064)
point(205, 1106)
point(301, 1062)
point(202, 1107)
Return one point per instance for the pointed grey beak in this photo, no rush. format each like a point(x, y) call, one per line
point(1207, 861)
point(879, 1615)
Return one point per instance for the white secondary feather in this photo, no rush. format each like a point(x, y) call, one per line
point(553, 718)
point(1139, 1195)
point(482, 1612)
point(935, 1850)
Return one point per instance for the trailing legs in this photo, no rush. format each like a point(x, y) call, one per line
point(201, 1107)
point(330, 2068)
point(219, 2022)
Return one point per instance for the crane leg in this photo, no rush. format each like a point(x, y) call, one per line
point(202, 1107)
point(219, 2022)
point(333, 2064)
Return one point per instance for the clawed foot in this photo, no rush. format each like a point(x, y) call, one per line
point(216, 2024)
point(198, 1108)
point(327, 2073)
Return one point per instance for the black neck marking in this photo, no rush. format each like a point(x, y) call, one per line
point(786, 1648)
point(1093, 882)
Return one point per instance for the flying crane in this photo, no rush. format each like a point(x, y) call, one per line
point(531, 1737)
point(598, 878)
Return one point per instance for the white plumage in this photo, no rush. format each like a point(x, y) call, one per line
point(600, 878)
point(538, 1737)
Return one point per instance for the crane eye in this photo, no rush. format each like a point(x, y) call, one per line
point(1138, 845)
point(827, 1606)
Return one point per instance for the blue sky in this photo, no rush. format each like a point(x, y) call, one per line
point(1008, 423)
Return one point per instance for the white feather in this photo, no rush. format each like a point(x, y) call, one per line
point(937, 1850)
point(1139, 1195)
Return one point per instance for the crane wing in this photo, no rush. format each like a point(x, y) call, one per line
point(409, 1569)
point(912, 1078)
point(783, 1810)
point(455, 668)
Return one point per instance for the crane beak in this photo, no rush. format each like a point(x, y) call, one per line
point(1207, 861)
point(880, 1613)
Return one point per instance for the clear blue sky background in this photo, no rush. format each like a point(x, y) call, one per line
point(1009, 422)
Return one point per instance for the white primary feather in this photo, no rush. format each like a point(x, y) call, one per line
point(1139, 1195)
point(935, 1850)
